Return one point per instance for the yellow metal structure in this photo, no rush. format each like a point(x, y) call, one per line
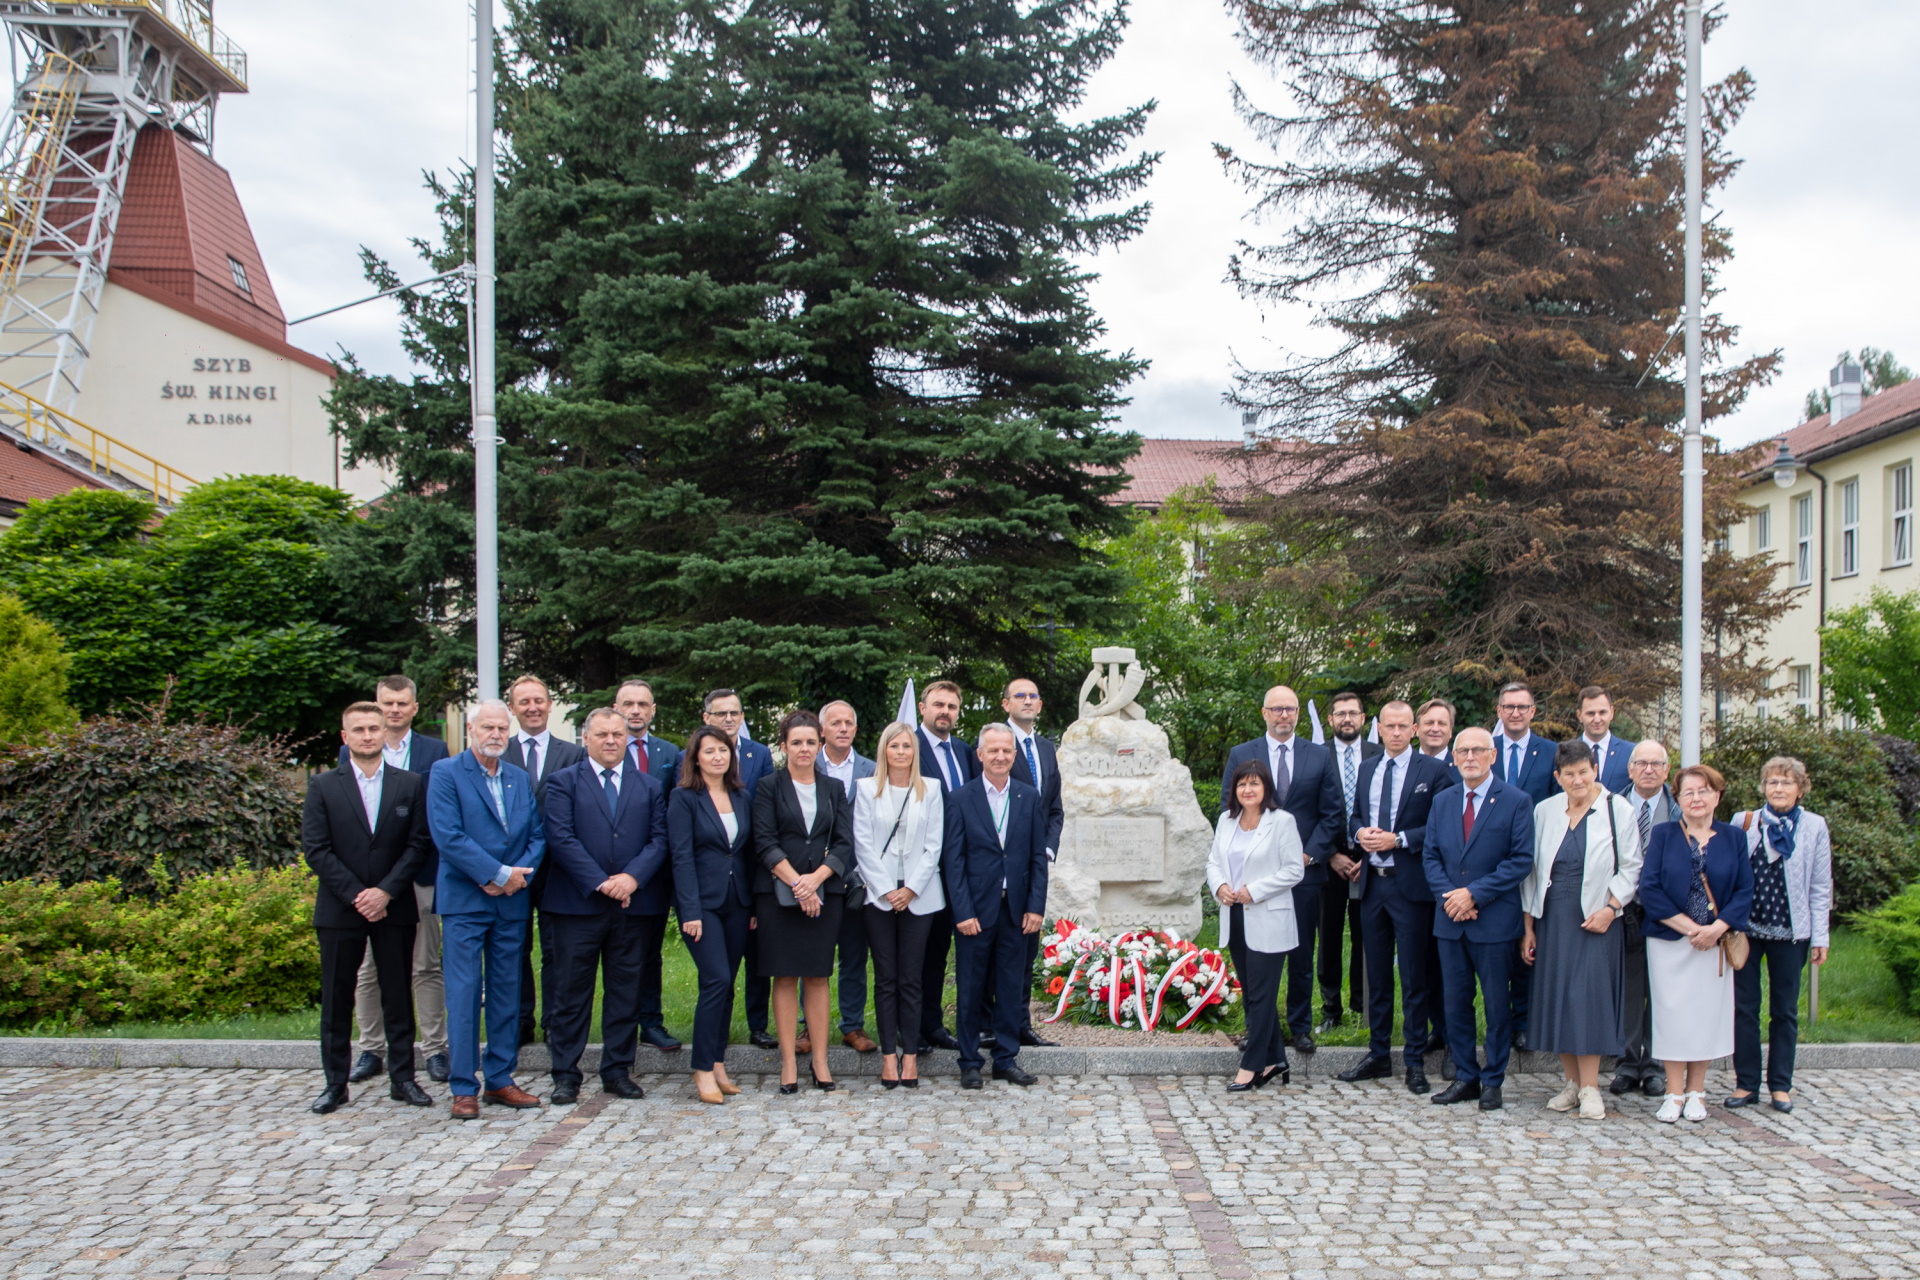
point(119, 464)
point(45, 104)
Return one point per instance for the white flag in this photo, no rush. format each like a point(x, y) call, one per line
point(1313, 714)
point(1373, 731)
point(746, 734)
point(909, 712)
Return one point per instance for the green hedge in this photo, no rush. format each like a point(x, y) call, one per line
point(1894, 930)
point(220, 944)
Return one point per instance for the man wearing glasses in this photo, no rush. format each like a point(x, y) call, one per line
point(1653, 804)
point(1523, 759)
point(1307, 787)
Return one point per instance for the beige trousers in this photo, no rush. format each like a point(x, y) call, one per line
point(429, 990)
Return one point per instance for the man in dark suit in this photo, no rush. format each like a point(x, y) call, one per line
point(1478, 849)
point(995, 872)
point(1434, 723)
point(416, 753)
point(491, 841)
point(1036, 762)
point(364, 829)
point(840, 760)
point(535, 749)
point(1610, 754)
point(659, 760)
point(1388, 828)
point(606, 838)
point(723, 709)
point(953, 762)
point(1524, 759)
point(1305, 784)
point(1340, 912)
point(1653, 804)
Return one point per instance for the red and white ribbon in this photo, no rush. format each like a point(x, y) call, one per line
point(1219, 981)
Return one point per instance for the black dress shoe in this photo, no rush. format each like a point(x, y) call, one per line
point(1490, 1098)
point(1654, 1086)
point(1303, 1043)
point(409, 1092)
point(1244, 1086)
point(366, 1067)
point(989, 1041)
point(1782, 1105)
point(1284, 1071)
point(565, 1093)
point(970, 1078)
point(1622, 1085)
point(621, 1087)
point(1367, 1069)
point(1458, 1091)
point(331, 1099)
point(941, 1038)
point(1328, 1023)
point(1417, 1080)
point(1520, 1040)
point(659, 1039)
point(439, 1068)
point(1014, 1073)
point(762, 1040)
point(1031, 1039)
point(1735, 1101)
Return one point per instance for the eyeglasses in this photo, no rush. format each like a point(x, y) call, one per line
point(1473, 751)
point(1283, 711)
point(1516, 706)
point(1696, 793)
point(1024, 697)
point(1647, 764)
point(726, 715)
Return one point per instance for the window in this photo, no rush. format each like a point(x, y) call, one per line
point(1900, 505)
point(1849, 529)
point(1763, 529)
point(1803, 690)
point(1803, 539)
point(239, 275)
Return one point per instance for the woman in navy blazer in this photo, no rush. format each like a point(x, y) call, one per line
point(709, 830)
point(1688, 980)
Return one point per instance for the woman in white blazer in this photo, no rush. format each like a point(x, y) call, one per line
point(1255, 862)
point(1586, 868)
point(898, 826)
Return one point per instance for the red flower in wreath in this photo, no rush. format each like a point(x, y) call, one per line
point(1055, 987)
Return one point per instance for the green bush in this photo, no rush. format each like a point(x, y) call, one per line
point(222, 944)
point(1874, 851)
point(33, 675)
point(119, 798)
point(1894, 930)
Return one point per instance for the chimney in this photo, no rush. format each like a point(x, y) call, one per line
point(1249, 430)
point(1843, 390)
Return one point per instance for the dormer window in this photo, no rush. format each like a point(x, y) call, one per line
point(239, 275)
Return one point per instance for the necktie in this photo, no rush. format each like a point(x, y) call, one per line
point(1646, 823)
point(953, 766)
point(1599, 754)
point(613, 792)
point(1466, 821)
point(1513, 764)
point(1347, 776)
point(1386, 798)
point(640, 756)
point(533, 758)
point(1282, 776)
point(1033, 762)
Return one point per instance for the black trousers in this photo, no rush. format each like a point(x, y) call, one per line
point(991, 956)
point(341, 951)
point(1033, 956)
point(528, 990)
point(1519, 991)
point(1786, 964)
point(1394, 924)
point(1300, 960)
point(1340, 917)
point(759, 988)
point(897, 943)
point(933, 974)
point(1259, 996)
point(608, 946)
point(716, 957)
point(1637, 1062)
point(653, 936)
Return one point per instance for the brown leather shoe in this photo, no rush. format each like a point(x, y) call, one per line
point(466, 1107)
point(804, 1045)
point(512, 1096)
point(858, 1041)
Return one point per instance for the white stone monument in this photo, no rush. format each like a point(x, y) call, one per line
point(1134, 851)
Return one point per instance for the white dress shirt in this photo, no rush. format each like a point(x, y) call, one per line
point(545, 740)
point(1506, 745)
point(1020, 739)
point(944, 757)
point(370, 791)
point(398, 756)
point(809, 801)
point(1386, 808)
point(1342, 753)
point(842, 772)
point(997, 805)
point(1600, 748)
point(607, 774)
point(1276, 752)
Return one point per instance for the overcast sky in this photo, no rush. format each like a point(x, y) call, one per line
point(351, 101)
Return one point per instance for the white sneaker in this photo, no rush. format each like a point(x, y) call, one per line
point(1565, 1099)
point(1670, 1109)
point(1696, 1108)
point(1592, 1106)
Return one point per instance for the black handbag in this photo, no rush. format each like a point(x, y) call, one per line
point(1633, 915)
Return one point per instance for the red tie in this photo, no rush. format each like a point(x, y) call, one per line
point(640, 757)
point(1466, 821)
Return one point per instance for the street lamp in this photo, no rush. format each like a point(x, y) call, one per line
point(1786, 467)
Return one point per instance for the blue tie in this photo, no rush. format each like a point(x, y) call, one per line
point(1033, 764)
point(953, 766)
point(1513, 764)
point(1386, 798)
point(612, 792)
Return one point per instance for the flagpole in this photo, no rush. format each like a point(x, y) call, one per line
point(486, 431)
point(1693, 450)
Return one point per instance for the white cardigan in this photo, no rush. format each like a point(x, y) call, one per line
point(1599, 880)
point(1274, 865)
point(914, 855)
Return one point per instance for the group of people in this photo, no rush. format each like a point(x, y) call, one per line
point(1592, 909)
point(434, 870)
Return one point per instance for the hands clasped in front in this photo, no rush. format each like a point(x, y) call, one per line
point(516, 881)
point(1029, 923)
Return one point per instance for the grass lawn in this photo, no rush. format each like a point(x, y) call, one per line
point(1858, 1002)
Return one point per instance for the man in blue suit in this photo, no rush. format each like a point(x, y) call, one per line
point(402, 748)
point(606, 839)
point(723, 709)
point(1036, 762)
point(1307, 787)
point(1610, 754)
point(1478, 848)
point(491, 842)
point(660, 760)
point(995, 871)
point(1394, 795)
point(840, 760)
point(1524, 759)
point(945, 756)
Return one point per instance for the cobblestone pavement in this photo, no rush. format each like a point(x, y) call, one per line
point(182, 1172)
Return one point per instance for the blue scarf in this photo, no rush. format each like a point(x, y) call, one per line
point(1779, 829)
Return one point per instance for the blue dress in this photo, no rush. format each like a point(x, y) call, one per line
point(1579, 978)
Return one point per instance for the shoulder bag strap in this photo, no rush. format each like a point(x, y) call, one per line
point(888, 842)
point(1613, 829)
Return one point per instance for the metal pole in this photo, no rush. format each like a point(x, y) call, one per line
point(1693, 459)
point(486, 532)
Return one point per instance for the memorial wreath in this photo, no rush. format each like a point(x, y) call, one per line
point(1144, 979)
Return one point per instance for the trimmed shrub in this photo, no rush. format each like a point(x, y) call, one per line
point(143, 801)
point(1894, 931)
point(222, 944)
point(33, 675)
point(1874, 851)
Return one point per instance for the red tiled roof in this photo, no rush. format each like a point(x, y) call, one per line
point(25, 474)
point(1895, 409)
point(179, 224)
point(1163, 466)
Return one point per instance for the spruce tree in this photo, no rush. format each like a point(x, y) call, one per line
point(1488, 207)
point(801, 390)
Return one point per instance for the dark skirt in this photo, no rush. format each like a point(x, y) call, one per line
point(793, 944)
point(1579, 978)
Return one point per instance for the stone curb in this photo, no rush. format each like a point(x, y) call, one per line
point(743, 1059)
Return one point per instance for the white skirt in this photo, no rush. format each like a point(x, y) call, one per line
point(1692, 1002)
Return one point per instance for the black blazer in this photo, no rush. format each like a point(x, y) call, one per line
point(1342, 842)
point(1426, 778)
point(1313, 798)
point(348, 857)
point(423, 752)
point(779, 834)
point(1050, 803)
point(707, 868)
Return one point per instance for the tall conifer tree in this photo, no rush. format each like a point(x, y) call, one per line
point(800, 383)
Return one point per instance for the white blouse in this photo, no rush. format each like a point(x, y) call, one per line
point(809, 801)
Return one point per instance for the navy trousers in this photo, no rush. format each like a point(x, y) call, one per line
point(1303, 960)
point(1391, 924)
point(1786, 964)
point(584, 948)
point(995, 955)
point(1490, 964)
point(716, 957)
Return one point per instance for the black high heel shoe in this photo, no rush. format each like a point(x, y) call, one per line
point(825, 1086)
point(889, 1084)
point(1243, 1086)
point(1284, 1071)
point(790, 1088)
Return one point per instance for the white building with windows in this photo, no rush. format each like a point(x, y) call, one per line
point(1835, 510)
